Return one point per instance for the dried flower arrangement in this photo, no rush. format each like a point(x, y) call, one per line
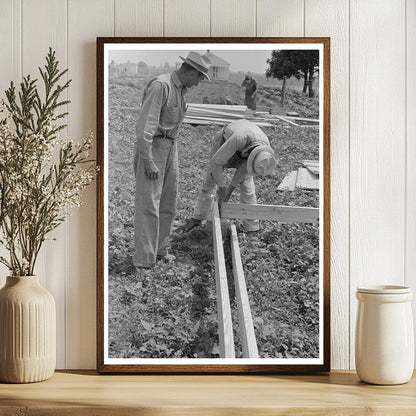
point(41, 174)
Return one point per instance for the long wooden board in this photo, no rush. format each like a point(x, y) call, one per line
point(306, 179)
point(247, 334)
point(312, 165)
point(225, 325)
point(219, 121)
point(312, 120)
point(289, 181)
point(220, 106)
point(285, 119)
point(269, 212)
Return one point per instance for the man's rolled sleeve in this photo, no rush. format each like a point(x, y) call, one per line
point(221, 158)
point(148, 120)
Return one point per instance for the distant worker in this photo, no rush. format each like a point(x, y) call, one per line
point(241, 145)
point(156, 158)
point(250, 85)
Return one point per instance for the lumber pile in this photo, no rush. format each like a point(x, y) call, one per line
point(305, 177)
point(197, 114)
point(221, 114)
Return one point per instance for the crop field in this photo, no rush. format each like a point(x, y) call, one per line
point(170, 311)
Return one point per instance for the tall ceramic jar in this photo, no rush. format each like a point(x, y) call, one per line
point(384, 344)
point(27, 331)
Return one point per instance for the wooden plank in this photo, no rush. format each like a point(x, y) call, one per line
point(86, 19)
point(310, 162)
point(220, 121)
point(280, 18)
point(306, 179)
point(269, 212)
point(225, 325)
point(225, 120)
point(313, 170)
point(312, 120)
point(245, 320)
point(286, 120)
point(312, 165)
point(44, 25)
point(219, 106)
point(211, 116)
point(229, 116)
point(201, 111)
point(377, 146)
point(289, 181)
point(233, 18)
point(138, 17)
point(186, 18)
point(410, 277)
point(202, 122)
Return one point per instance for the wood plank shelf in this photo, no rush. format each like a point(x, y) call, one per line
point(339, 393)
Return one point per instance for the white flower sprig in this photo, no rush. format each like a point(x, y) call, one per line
point(41, 175)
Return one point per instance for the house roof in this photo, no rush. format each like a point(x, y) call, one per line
point(216, 60)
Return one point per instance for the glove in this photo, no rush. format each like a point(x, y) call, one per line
point(222, 194)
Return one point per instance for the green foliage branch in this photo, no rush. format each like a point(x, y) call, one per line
point(42, 175)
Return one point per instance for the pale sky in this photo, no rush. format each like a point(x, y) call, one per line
point(240, 60)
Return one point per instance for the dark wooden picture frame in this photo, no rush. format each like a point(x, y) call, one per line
point(230, 211)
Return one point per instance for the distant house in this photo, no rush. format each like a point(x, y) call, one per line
point(127, 68)
point(142, 68)
point(219, 69)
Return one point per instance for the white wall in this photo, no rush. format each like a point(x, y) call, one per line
point(373, 132)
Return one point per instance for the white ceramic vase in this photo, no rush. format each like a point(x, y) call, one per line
point(27, 331)
point(384, 343)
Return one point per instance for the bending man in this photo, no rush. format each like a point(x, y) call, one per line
point(241, 145)
point(156, 159)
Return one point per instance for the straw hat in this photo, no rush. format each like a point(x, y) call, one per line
point(261, 161)
point(197, 61)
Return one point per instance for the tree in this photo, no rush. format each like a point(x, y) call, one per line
point(297, 63)
point(307, 62)
point(282, 66)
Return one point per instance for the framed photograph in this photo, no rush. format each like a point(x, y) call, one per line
point(213, 199)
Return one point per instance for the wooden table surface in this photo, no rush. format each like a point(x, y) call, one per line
point(86, 393)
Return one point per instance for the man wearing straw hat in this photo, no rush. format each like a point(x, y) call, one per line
point(156, 159)
point(241, 145)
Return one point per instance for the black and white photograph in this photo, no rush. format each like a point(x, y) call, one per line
point(214, 198)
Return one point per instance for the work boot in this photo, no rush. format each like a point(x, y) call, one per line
point(191, 224)
point(167, 258)
point(144, 266)
point(253, 233)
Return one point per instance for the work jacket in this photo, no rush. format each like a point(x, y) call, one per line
point(232, 146)
point(162, 111)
